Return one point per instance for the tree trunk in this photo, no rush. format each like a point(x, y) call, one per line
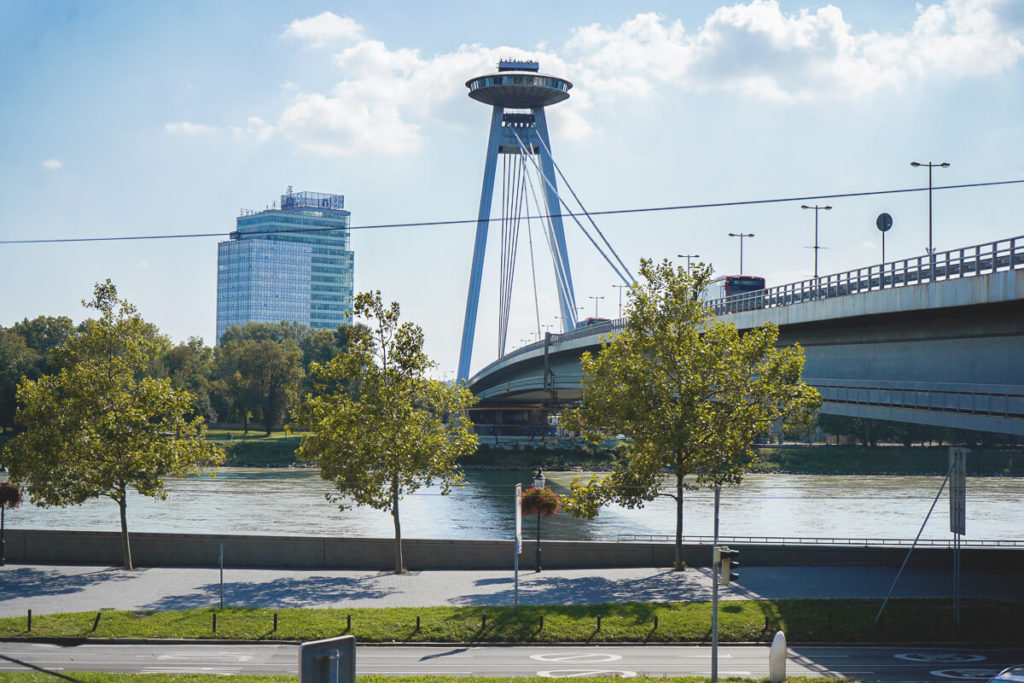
point(245, 423)
point(399, 568)
point(679, 565)
point(126, 549)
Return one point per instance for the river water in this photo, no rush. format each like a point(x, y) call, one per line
point(292, 502)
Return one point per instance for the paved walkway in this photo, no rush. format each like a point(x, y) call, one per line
point(47, 589)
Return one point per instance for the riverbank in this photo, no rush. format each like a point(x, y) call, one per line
point(255, 451)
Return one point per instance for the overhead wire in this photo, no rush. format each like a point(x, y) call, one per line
point(554, 191)
point(565, 180)
point(474, 221)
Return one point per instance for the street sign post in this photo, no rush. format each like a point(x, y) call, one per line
point(332, 660)
point(519, 538)
point(957, 515)
point(884, 224)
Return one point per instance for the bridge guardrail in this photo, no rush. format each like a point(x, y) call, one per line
point(979, 259)
point(806, 540)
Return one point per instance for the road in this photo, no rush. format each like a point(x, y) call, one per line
point(883, 664)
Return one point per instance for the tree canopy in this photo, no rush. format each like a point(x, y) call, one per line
point(379, 428)
point(689, 392)
point(101, 425)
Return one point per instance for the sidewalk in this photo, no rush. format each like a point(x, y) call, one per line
point(47, 589)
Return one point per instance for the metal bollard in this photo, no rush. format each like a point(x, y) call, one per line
point(777, 659)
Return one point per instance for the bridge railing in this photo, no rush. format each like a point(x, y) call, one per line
point(807, 540)
point(978, 259)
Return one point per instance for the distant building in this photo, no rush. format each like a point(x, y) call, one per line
point(292, 263)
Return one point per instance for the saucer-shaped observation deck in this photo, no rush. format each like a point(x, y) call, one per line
point(518, 85)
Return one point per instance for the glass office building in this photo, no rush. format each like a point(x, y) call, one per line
point(292, 263)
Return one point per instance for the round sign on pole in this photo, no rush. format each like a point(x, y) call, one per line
point(884, 222)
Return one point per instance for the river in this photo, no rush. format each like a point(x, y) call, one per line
point(292, 501)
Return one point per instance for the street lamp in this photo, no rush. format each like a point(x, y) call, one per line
point(596, 299)
point(538, 483)
point(620, 288)
point(816, 247)
point(687, 257)
point(931, 249)
point(3, 508)
point(741, 235)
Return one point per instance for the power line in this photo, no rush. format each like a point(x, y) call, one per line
point(469, 221)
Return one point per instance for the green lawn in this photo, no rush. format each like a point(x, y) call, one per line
point(205, 678)
point(803, 621)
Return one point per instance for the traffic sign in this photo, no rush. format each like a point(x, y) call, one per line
point(884, 222)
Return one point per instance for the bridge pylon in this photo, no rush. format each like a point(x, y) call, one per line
point(518, 94)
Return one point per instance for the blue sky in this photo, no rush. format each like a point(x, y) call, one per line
point(154, 118)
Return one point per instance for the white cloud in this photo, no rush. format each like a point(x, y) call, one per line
point(755, 49)
point(52, 165)
point(255, 128)
point(324, 28)
point(189, 128)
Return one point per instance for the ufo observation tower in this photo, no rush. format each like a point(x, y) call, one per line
point(518, 94)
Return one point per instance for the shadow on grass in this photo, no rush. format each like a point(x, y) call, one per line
point(282, 592)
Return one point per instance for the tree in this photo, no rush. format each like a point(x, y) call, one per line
point(261, 378)
point(17, 360)
point(190, 367)
point(379, 428)
point(688, 391)
point(101, 425)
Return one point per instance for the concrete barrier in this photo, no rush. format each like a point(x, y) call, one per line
point(322, 552)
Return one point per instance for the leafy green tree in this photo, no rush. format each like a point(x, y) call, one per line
point(190, 366)
point(17, 361)
point(44, 334)
point(688, 391)
point(101, 425)
point(379, 428)
point(261, 379)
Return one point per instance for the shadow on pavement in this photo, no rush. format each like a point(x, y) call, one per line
point(28, 582)
point(312, 591)
point(667, 586)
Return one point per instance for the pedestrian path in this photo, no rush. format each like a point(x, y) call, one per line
point(48, 589)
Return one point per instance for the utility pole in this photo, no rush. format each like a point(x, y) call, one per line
point(687, 257)
point(741, 235)
point(620, 288)
point(816, 247)
point(931, 249)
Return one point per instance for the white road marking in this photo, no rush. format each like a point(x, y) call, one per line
point(586, 673)
point(581, 657)
point(939, 657)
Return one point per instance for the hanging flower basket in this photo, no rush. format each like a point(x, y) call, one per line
point(10, 496)
point(544, 500)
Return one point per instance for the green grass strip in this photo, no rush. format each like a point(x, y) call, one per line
point(803, 621)
point(209, 678)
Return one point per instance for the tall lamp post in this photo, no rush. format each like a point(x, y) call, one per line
point(620, 288)
point(741, 235)
point(687, 257)
point(3, 508)
point(538, 483)
point(816, 247)
point(931, 249)
point(596, 299)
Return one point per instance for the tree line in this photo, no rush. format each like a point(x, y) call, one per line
point(257, 374)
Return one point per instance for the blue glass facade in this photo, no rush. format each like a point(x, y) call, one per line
point(292, 263)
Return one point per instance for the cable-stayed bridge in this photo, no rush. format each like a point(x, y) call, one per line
point(930, 340)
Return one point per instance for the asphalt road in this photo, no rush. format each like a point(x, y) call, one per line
point(884, 664)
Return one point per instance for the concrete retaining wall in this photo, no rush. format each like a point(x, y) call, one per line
point(316, 552)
